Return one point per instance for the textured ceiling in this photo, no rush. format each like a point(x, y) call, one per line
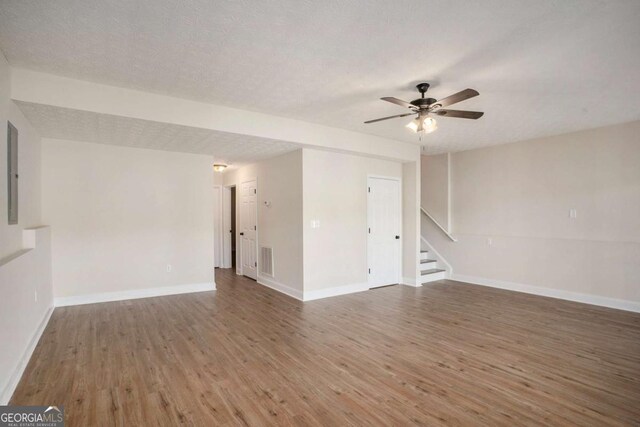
point(542, 67)
point(231, 148)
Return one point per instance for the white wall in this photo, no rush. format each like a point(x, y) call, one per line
point(434, 187)
point(28, 169)
point(335, 193)
point(410, 222)
point(120, 215)
point(519, 195)
point(279, 181)
point(25, 306)
point(25, 257)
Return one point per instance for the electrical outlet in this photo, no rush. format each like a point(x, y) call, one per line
point(573, 213)
point(169, 268)
point(490, 241)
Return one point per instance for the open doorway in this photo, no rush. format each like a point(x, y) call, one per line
point(217, 226)
point(229, 227)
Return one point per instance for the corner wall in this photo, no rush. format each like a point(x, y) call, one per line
point(335, 253)
point(26, 299)
point(328, 187)
point(279, 181)
point(410, 223)
point(510, 213)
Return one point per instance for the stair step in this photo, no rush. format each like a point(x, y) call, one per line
point(432, 275)
point(423, 252)
point(432, 271)
point(427, 264)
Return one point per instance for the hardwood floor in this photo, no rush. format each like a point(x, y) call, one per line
point(446, 353)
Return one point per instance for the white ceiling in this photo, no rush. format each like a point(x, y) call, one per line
point(542, 67)
point(230, 148)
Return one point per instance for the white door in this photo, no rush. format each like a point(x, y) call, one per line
point(217, 226)
point(248, 228)
point(384, 231)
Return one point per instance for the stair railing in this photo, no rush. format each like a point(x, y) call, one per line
point(453, 239)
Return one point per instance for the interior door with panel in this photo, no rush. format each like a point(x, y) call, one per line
point(384, 231)
point(249, 229)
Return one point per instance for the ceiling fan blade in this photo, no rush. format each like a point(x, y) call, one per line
point(390, 117)
point(460, 114)
point(456, 97)
point(399, 102)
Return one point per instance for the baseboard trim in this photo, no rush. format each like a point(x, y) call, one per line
point(134, 294)
point(312, 295)
point(277, 286)
point(410, 281)
point(335, 291)
point(552, 293)
point(10, 388)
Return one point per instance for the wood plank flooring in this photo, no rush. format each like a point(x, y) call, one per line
point(444, 354)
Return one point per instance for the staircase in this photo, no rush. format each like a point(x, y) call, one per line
point(429, 271)
point(433, 266)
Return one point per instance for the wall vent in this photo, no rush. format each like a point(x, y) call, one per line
point(266, 261)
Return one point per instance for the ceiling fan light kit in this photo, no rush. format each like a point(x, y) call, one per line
point(423, 125)
point(423, 107)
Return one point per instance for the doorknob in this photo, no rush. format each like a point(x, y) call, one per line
point(397, 237)
point(242, 234)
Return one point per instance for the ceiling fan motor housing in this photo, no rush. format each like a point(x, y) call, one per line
point(422, 102)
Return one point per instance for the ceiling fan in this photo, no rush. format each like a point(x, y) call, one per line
point(423, 107)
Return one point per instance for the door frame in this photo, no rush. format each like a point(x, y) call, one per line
point(226, 212)
point(217, 230)
point(239, 221)
point(400, 202)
